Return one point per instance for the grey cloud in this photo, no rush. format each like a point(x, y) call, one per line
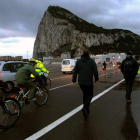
point(22, 17)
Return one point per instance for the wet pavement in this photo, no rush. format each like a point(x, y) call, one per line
point(110, 117)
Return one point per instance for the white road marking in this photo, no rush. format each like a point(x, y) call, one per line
point(77, 82)
point(70, 75)
point(61, 86)
point(61, 77)
point(67, 116)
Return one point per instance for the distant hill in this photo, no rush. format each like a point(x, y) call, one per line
point(62, 31)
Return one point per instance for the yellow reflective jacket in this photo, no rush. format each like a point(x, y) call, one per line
point(139, 71)
point(40, 67)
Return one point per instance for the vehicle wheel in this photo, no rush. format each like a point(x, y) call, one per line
point(9, 113)
point(9, 87)
point(48, 83)
point(41, 96)
point(15, 95)
point(64, 72)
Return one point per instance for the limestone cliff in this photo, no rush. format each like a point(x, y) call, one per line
point(61, 31)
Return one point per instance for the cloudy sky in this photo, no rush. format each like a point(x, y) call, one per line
point(19, 19)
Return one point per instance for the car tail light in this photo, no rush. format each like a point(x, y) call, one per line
point(0, 75)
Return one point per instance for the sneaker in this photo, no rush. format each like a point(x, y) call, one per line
point(85, 112)
point(129, 101)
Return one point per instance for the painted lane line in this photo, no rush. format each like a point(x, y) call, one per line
point(105, 91)
point(60, 77)
point(67, 116)
point(61, 86)
point(76, 82)
point(65, 76)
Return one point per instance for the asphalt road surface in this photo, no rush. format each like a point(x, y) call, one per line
point(61, 117)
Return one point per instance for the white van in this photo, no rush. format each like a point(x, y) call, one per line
point(67, 65)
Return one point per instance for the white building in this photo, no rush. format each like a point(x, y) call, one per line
point(111, 57)
point(66, 55)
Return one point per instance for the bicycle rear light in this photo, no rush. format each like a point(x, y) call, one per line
point(13, 96)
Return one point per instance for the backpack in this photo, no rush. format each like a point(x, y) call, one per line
point(128, 66)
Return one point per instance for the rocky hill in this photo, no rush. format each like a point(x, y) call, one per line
point(61, 31)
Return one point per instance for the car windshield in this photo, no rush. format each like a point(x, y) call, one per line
point(66, 62)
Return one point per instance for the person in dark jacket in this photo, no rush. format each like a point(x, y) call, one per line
point(22, 77)
point(129, 68)
point(86, 68)
point(104, 65)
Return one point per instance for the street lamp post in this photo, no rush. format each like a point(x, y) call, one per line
point(27, 54)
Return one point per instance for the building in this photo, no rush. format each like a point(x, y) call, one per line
point(66, 55)
point(11, 58)
point(111, 57)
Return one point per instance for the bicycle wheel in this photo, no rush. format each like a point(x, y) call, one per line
point(9, 113)
point(41, 96)
point(48, 83)
point(16, 96)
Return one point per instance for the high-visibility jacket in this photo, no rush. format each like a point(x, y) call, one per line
point(40, 67)
point(139, 71)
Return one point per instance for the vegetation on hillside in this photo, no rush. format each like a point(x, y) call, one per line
point(121, 45)
point(79, 23)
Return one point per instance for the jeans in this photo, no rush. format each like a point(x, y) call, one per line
point(87, 95)
point(129, 83)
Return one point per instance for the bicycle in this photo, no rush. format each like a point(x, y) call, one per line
point(9, 112)
point(47, 80)
point(41, 95)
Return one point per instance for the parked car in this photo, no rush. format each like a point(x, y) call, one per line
point(2, 84)
point(67, 65)
point(8, 70)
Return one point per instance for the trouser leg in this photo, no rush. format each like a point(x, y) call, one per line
point(87, 95)
point(44, 79)
point(31, 86)
point(129, 83)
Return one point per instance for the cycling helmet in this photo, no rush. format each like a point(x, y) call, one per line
point(32, 60)
point(40, 59)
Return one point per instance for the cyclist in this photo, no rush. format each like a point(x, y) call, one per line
point(40, 67)
point(22, 77)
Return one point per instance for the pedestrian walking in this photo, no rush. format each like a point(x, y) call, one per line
point(85, 68)
point(129, 68)
point(104, 65)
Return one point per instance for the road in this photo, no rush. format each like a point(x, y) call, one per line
point(61, 117)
